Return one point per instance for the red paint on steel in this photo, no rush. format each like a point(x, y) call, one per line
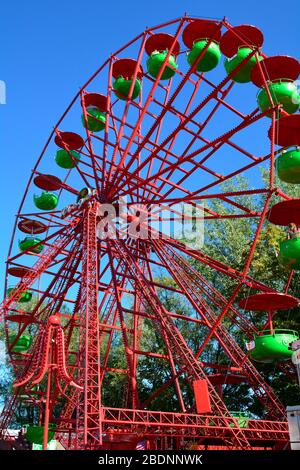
point(54, 320)
point(275, 68)
point(31, 226)
point(201, 29)
point(224, 379)
point(95, 99)
point(18, 271)
point(201, 394)
point(69, 141)
point(243, 35)
point(20, 318)
point(48, 182)
point(126, 68)
point(89, 420)
point(162, 42)
point(269, 301)
point(285, 212)
point(287, 131)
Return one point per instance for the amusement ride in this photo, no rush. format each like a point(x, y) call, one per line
point(167, 120)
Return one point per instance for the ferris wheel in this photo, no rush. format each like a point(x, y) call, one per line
point(162, 124)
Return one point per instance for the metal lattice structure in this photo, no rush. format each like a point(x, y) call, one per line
point(158, 142)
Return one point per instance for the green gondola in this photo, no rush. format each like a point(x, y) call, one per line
point(46, 201)
point(288, 166)
point(95, 119)
point(35, 434)
point(244, 74)
point(122, 86)
point(271, 346)
point(210, 58)
point(33, 244)
point(22, 344)
point(26, 296)
point(289, 253)
point(282, 92)
point(67, 160)
point(155, 63)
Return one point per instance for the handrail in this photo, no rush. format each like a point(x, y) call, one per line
point(277, 331)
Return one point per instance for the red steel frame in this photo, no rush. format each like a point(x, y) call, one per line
point(89, 426)
point(131, 158)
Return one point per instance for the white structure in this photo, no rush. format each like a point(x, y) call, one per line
point(293, 415)
point(295, 346)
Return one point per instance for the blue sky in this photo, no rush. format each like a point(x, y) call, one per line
point(50, 48)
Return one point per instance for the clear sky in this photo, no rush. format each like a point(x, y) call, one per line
point(49, 48)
